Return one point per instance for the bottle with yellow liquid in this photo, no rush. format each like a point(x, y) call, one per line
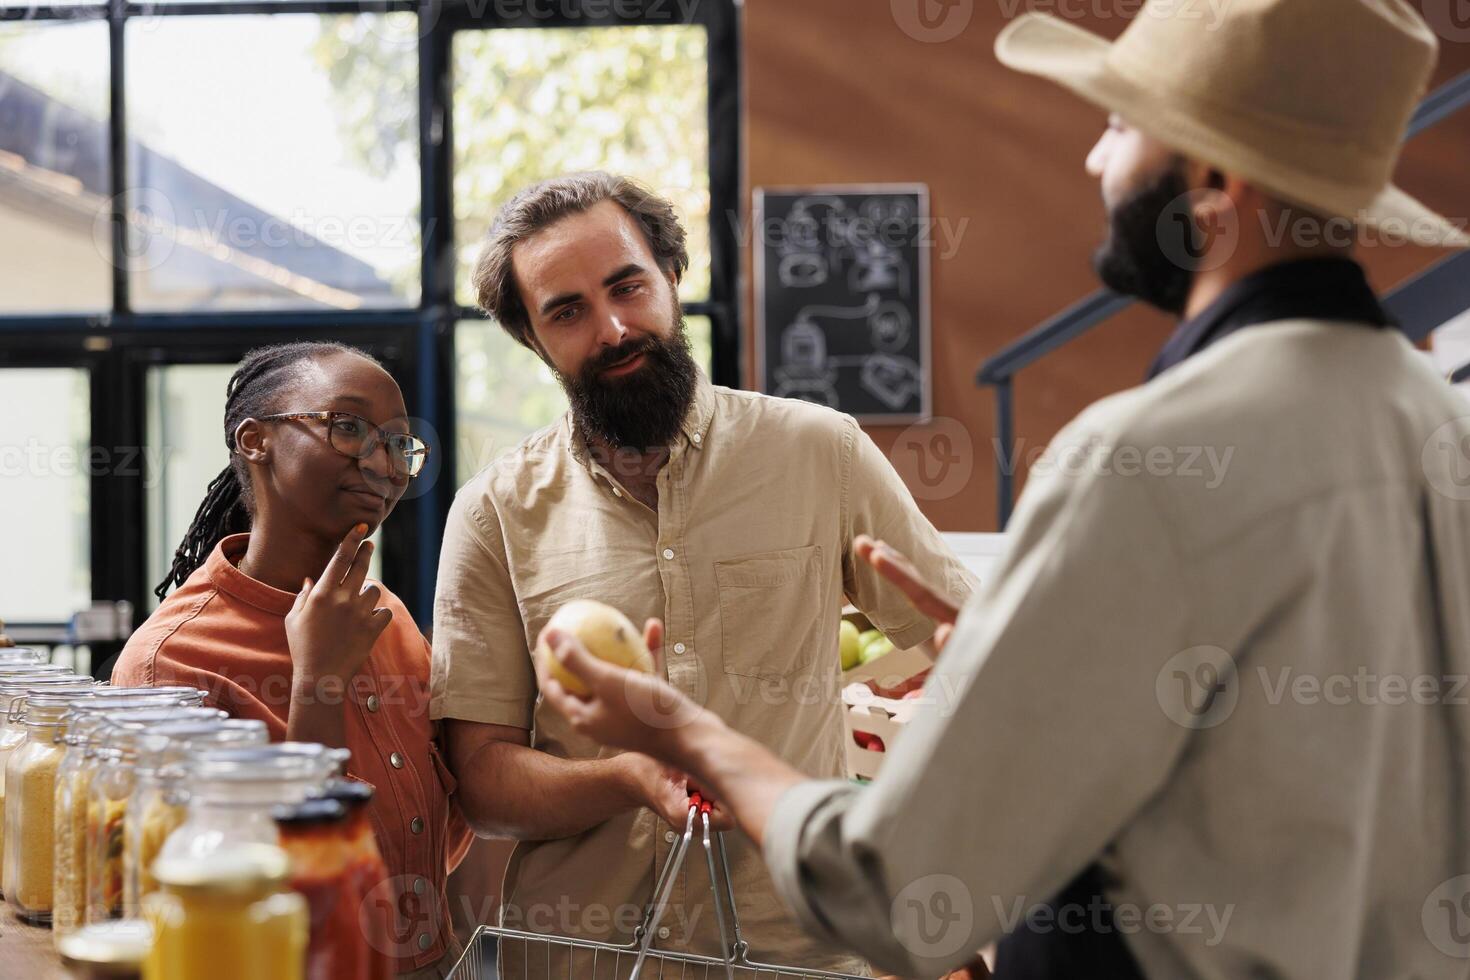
point(229, 915)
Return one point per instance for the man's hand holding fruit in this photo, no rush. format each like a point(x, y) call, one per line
point(631, 662)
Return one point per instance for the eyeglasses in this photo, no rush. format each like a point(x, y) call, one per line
point(356, 437)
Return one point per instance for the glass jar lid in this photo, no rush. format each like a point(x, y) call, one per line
point(123, 730)
point(315, 812)
point(261, 775)
point(351, 793)
point(107, 949)
point(9, 672)
point(97, 712)
point(21, 655)
point(39, 706)
point(13, 693)
point(172, 742)
point(14, 685)
point(178, 693)
point(239, 870)
point(283, 760)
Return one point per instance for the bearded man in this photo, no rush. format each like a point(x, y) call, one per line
point(727, 515)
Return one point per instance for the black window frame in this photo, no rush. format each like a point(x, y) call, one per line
point(416, 342)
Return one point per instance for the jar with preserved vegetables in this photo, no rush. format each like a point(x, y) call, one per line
point(158, 806)
point(314, 836)
point(108, 792)
point(227, 915)
point(85, 737)
point(366, 870)
point(30, 821)
point(232, 792)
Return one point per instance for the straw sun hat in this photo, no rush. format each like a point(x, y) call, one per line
point(1307, 99)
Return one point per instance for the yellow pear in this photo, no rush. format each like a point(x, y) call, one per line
point(606, 633)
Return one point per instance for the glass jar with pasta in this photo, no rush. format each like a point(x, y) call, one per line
point(79, 765)
point(112, 761)
point(158, 804)
point(231, 793)
point(30, 810)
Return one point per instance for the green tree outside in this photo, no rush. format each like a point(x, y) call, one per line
point(530, 104)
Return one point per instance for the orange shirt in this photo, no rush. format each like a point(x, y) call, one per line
point(225, 633)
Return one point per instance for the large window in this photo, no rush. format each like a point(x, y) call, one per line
point(277, 193)
point(54, 173)
point(180, 184)
point(45, 493)
point(535, 103)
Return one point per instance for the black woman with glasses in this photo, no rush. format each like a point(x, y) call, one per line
point(272, 613)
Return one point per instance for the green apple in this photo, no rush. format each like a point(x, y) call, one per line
point(850, 644)
point(876, 648)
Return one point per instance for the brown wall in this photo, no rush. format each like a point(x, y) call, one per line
point(837, 92)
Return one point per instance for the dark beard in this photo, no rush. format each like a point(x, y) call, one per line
point(1147, 253)
point(645, 409)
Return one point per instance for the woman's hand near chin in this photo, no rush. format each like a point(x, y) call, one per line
point(331, 631)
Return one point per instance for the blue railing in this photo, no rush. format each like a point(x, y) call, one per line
point(1420, 305)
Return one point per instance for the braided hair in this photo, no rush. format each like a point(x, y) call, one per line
point(229, 506)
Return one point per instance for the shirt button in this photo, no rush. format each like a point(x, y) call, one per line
point(372, 703)
point(416, 825)
point(669, 836)
point(679, 648)
point(617, 492)
point(663, 932)
point(419, 886)
point(395, 760)
point(668, 554)
point(696, 437)
point(425, 941)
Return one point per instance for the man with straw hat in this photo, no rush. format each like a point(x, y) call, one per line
point(1192, 727)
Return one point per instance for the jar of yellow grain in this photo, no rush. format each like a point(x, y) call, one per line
point(227, 915)
point(86, 733)
point(12, 687)
point(158, 804)
point(30, 806)
point(116, 754)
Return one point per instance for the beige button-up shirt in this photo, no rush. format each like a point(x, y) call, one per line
point(747, 561)
point(1225, 655)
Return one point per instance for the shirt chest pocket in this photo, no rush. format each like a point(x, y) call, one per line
point(770, 611)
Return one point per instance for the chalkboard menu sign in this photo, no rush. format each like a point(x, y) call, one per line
point(842, 298)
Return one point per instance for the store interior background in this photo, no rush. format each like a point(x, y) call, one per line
point(833, 92)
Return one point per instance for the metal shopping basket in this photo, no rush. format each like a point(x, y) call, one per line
point(496, 953)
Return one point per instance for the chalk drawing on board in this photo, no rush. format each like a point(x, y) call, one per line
point(802, 270)
point(842, 298)
point(876, 266)
point(890, 327)
point(892, 380)
point(805, 371)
